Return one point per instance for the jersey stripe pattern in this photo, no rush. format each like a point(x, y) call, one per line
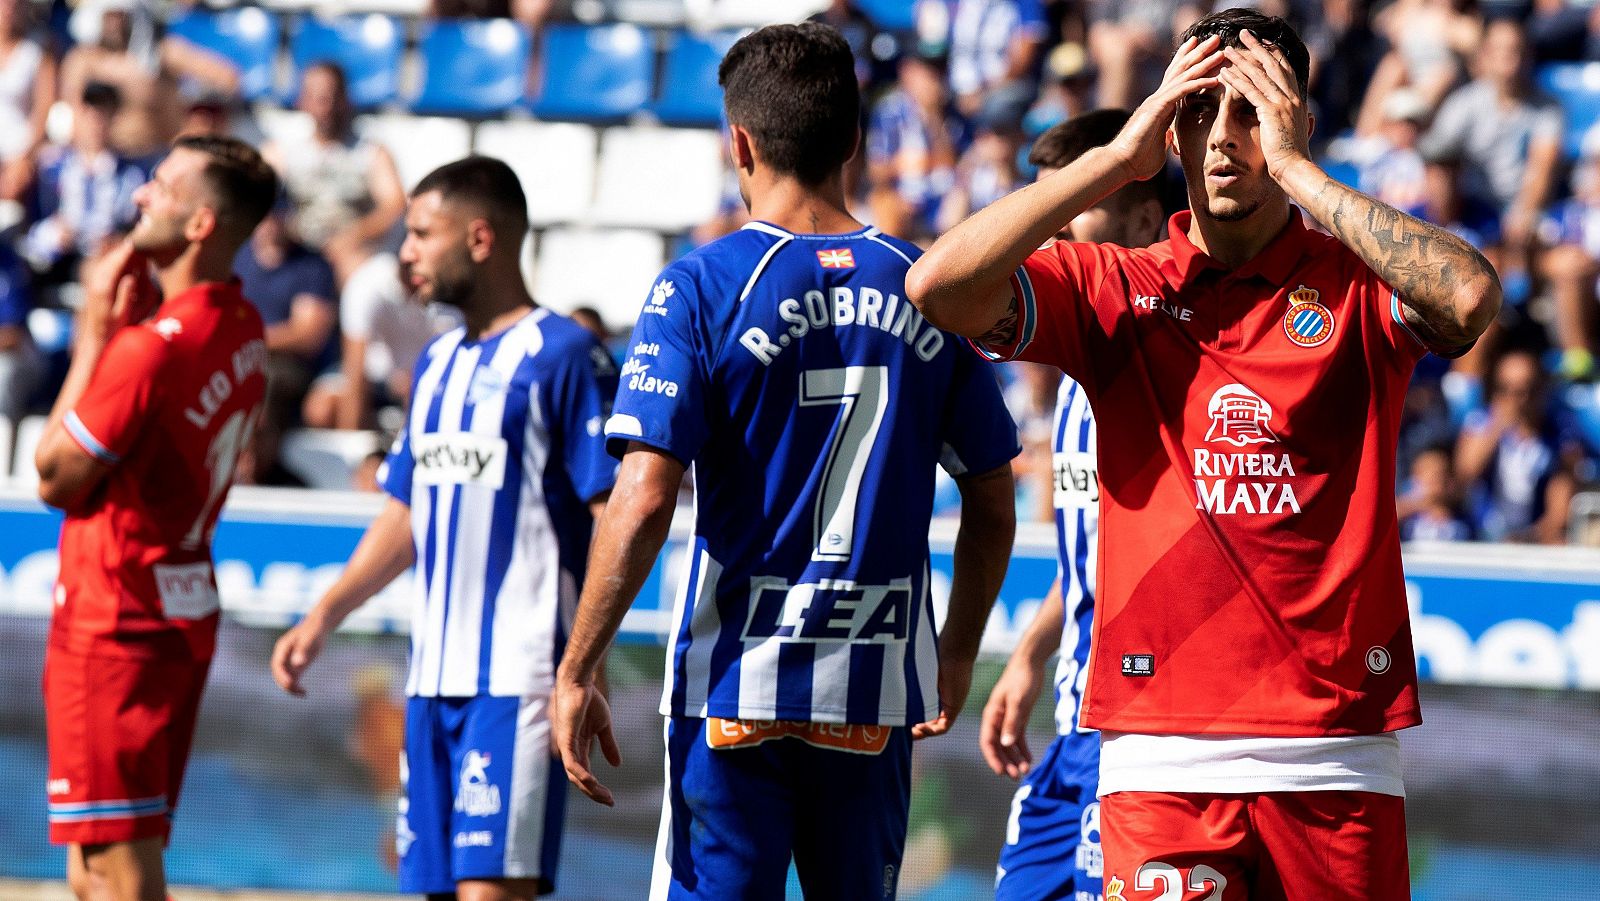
point(501, 452)
point(813, 403)
point(1077, 505)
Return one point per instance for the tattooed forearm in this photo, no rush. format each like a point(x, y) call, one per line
point(1449, 291)
point(1004, 331)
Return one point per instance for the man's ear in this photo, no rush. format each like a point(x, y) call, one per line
point(202, 224)
point(1311, 123)
point(741, 148)
point(480, 239)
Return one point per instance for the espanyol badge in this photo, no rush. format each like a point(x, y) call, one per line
point(1308, 323)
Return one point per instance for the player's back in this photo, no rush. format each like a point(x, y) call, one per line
point(814, 403)
point(172, 404)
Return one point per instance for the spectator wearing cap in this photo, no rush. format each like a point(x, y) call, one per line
point(117, 45)
point(1067, 90)
point(1390, 167)
point(995, 47)
point(914, 141)
point(292, 287)
point(84, 193)
point(1516, 459)
point(1493, 150)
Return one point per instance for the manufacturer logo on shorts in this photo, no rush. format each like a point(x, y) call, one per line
point(477, 796)
point(1308, 323)
point(1378, 660)
point(1138, 664)
point(888, 881)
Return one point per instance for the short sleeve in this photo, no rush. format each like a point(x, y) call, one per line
point(1054, 293)
point(580, 399)
point(316, 279)
point(1547, 124)
point(661, 398)
point(394, 476)
point(122, 393)
point(1399, 337)
point(979, 434)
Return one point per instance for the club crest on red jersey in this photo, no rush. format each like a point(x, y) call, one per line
point(841, 258)
point(1239, 417)
point(1307, 323)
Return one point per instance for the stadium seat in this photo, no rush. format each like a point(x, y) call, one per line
point(690, 94)
point(601, 74)
point(657, 13)
point(1576, 86)
point(890, 15)
point(28, 433)
point(368, 48)
point(554, 161)
point(611, 271)
point(327, 458)
point(247, 36)
point(419, 144)
point(6, 430)
point(668, 179)
point(472, 68)
point(707, 14)
point(282, 126)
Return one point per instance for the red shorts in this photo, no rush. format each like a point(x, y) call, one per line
point(118, 731)
point(1327, 845)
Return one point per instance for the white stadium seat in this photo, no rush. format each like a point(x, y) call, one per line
point(281, 126)
point(708, 14)
point(419, 144)
point(610, 270)
point(6, 466)
point(668, 179)
point(326, 458)
point(29, 431)
point(554, 161)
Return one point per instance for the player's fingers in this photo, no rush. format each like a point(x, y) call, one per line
point(578, 774)
point(122, 301)
point(1273, 64)
point(1246, 68)
point(1190, 51)
point(939, 725)
point(609, 746)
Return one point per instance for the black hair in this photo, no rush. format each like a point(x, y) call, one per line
point(793, 87)
point(101, 96)
point(334, 70)
point(243, 185)
point(485, 183)
point(1064, 142)
point(1270, 30)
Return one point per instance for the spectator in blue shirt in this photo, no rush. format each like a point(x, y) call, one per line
point(1430, 507)
point(20, 362)
point(1516, 460)
point(913, 144)
point(85, 190)
point(995, 48)
point(293, 287)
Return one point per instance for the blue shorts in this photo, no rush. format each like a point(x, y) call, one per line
point(1052, 849)
point(733, 818)
point(479, 796)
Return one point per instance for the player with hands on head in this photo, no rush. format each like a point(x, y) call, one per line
point(814, 405)
point(1052, 849)
point(165, 385)
point(1252, 649)
point(493, 488)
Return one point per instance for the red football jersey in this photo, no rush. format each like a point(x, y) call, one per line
point(170, 406)
point(1250, 579)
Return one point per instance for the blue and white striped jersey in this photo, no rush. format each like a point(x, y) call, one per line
point(1077, 503)
point(814, 403)
point(503, 449)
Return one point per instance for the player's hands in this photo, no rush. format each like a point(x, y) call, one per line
point(1003, 734)
point(294, 653)
point(116, 291)
point(1262, 76)
point(579, 714)
point(955, 681)
point(1142, 144)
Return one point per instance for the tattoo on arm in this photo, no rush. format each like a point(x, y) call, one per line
point(1004, 331)
point(1426, 264)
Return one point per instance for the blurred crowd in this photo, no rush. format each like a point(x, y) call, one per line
point(1431, 105)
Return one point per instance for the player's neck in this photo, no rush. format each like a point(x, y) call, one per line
point(495, 307)
point(197, 265)
point(803, 209)
point(1235, 243)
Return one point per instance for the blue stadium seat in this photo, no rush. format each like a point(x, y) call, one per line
point(1577, 87)
point(891, 15)
point(472, 67)
point(368, 48)
point(247, 36)
point(599, 74)
point(690, 94)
